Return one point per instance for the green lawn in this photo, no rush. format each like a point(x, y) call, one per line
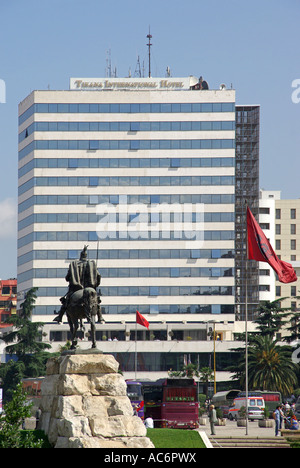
point(175, 438)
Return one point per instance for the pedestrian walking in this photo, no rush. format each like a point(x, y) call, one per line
point(212, 415)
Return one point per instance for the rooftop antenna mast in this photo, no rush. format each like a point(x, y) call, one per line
point(138, 71)
point(149, 51)
point(108, 64)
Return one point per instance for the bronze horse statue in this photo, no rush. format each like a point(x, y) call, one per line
point(83, 304)
point(81, 301)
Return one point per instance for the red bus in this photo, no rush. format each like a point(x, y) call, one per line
point(180, 406)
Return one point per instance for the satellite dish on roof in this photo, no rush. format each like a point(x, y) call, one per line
point(222, 86)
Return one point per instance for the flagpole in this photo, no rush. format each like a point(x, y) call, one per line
point(246, 322)
point(135, 353)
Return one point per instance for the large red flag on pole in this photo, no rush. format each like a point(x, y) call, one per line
point(141, 320)
point(260, 249)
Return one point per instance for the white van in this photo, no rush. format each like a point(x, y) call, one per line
point(256, 407)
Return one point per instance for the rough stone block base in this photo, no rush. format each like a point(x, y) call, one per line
point(85, 405)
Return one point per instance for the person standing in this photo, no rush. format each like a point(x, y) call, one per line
point(212, 415)
point(276, 416)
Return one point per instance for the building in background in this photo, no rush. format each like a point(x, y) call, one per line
point(8, 300)
point(143, 171)
point(246, 193)
point(267, 277)
point(287, 246)
point(280, 220)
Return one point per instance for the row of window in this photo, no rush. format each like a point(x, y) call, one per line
point(127, 127)
point(126, 108)
point(184, 272)
point(293, 229)
point(225, 217)
point(167, 291)
point(126, 145)
point(209, 199)
point(152, 309)
point(293, 213)
point(164, 361)
point(293, 244)
point(149, 291)
point(125, 181)
point(115, 163)
point(126, 235)
point(125, 254)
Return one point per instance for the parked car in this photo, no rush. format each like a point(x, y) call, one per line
point(255, 413)
point(256, 403)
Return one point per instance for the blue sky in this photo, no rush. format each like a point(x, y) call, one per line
point(252, 45)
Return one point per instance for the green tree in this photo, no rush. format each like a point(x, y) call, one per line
point(27, 346)
point(189, 370)
point(271, 317)
point(270, 366)
point(11, 420)
point(26, 335)
point(206, 376)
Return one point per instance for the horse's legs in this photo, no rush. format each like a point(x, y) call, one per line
point(73, 328)
point(93, 331)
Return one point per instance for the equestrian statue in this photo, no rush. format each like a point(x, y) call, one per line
point(81, 300)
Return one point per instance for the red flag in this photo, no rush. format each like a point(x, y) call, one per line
point(141, 320)
point(260, 249)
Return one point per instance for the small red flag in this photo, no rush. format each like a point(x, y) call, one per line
point(141, 320)
point(260, 249)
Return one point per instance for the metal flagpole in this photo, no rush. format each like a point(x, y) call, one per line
point(135, 353)
point(246, 324)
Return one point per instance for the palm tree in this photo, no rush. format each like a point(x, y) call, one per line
point(270, 366)
point(206, 376)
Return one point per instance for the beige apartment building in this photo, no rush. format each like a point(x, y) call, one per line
point(287, 245)
point(280, 221)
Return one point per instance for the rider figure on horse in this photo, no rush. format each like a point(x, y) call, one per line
point(82, 274)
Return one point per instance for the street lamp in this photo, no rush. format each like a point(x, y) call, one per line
point(214, 340)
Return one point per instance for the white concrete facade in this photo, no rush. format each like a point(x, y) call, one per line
point(267, 202)
point(132, 161)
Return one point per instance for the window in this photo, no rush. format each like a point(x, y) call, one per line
point(293, 244)
point(94, 144)
point(154, 309)
point(278, 213)
point(73, 163)
point(293, 229)
point(293, 213)
point(134, 126)
point(93, 181)
point(175, 162)
point(216, 309)
point(278, 229)
point(134, 144)
point(153, 291)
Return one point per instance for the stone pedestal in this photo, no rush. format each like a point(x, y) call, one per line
point(84, 404)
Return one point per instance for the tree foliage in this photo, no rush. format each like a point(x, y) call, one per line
point(27, 346)
point(270, 365)
point(25, 334)
point(271, 317)
point(11, 420)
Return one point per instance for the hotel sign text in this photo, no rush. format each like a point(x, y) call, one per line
point(130, 83)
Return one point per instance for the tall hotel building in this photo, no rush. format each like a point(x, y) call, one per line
point(143, 172)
